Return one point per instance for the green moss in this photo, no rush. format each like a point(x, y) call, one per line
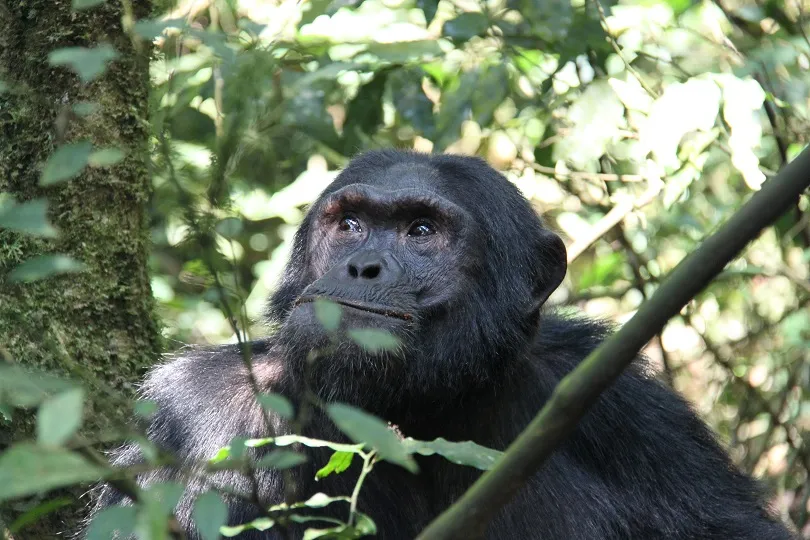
point(102, 319)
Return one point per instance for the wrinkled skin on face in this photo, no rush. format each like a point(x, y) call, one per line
point(414, 245)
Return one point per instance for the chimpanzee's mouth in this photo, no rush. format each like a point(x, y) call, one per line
point(362, 306)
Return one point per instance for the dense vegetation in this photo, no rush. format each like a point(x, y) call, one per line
point(634, 127)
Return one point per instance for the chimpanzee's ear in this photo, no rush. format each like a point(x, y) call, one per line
point(552, 263)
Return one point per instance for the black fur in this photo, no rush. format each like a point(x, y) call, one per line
point(478, 360)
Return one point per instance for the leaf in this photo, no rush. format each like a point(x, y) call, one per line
point(38, 512)
point(152, 28)
point(145, 408)
point(321, 500)
point(230, 227)
point(286, 440)
point(373, 339)
point(429, 8)
point(85, 108)
point(59, 417)
point(410, 100)
point(363, 427)
point(277, 404)
point(259, 524)
point(27, 388)
point(328, 314)
point(67, 162)
point(549, 19)
point(45, 266)
point(87, 63)
point(28, 218)
point(282, 459)
point(27, 469)
point(78, 5)
point(338, 462)
point(490, 92)
point(456, 105)
point(210, 513)
point(165, 496)
point(466, 26)
point(105, 157)
point(460, 453)
point(112, 519)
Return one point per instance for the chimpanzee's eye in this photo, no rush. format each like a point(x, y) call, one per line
point(421, 227)
point(350, 224)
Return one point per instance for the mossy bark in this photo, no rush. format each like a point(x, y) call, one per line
point(102, 319)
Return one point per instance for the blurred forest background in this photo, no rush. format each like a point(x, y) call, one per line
point(635, 127)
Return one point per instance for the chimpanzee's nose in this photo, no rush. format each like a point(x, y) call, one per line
point(372, 265)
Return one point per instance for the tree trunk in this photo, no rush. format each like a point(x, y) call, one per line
point(101, 319)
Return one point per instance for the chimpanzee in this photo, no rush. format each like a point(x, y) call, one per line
point(445, 253)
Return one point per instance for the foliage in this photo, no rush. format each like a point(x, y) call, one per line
point(633, 127)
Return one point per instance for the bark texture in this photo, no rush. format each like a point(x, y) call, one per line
point(103, 319)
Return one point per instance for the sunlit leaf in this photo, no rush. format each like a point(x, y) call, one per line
point(45, 266)
point(373, 339)
point(28, 217)
point(66, 162)
point(105, 157)
point(286, 440)
point(328, 313)
point(338, 462)
point(460, 453)
point(86, 63)
point(209, 513)
point(363, 427)
point(27, 469)
point(259, 524)
point(59, 417)
point(78, 5)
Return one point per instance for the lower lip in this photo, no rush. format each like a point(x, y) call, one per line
point(373, 310)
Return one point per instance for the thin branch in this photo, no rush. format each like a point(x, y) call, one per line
point(469, 515)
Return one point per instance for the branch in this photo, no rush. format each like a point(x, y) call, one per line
point(468, 516)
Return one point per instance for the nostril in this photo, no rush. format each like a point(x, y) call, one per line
point(371, 271)
point(353, 271)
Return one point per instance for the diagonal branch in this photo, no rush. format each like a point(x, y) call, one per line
point(468, 516)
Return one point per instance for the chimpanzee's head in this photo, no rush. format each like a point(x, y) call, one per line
point(442, 252)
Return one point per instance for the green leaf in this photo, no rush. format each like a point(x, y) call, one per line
point(549, 19)
point(429, 8)
point(374, 340)
point(322, 500)
point(28, 218)
point(36, 513)
point(105, 157)
point(105, 524)
point(490, 92)
point(286, 440)
point(460, 453)
point(364, 114)
point(67, 162)
point(328, 313)
point(87, 63)
point(165, 496)
point(363, 427)
point(78, 5)
point(27, 388)
point(410, 100)
point(282, 459)
point(230, 227)
point(85, 108)
point(27, 469)
point(45, 266)
point(338, 462)
point(145, 408)
point(259, 524)
point(210, 513)
point(277, 404)
point(466, 26)
point(456, 104)
point(152, 28)
point(59, 417)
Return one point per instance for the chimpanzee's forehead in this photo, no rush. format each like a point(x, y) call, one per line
point(405, 175)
